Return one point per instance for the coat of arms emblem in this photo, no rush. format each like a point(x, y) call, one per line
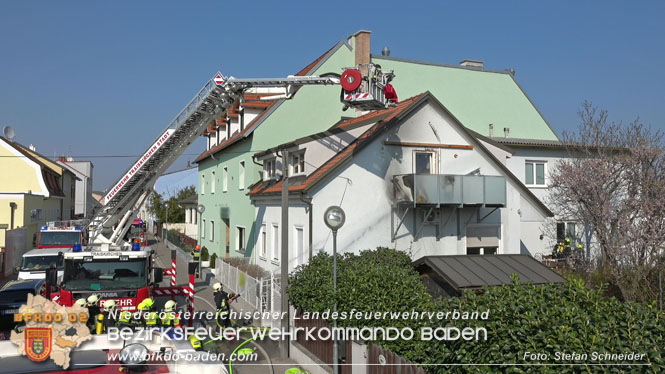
point(38, 343)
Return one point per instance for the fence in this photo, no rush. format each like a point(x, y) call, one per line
point(240, 283)
point(323, 349)
point(383, 361)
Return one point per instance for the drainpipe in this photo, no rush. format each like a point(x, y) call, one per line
point(308, 201)
point(12, 206)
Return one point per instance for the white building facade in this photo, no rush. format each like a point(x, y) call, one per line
point(411, 178)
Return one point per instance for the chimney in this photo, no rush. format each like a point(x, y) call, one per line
point(491, 129)
point(506, 132)
point(32, 148)
point(472, 63)
point(362, 47)
point(385, 51)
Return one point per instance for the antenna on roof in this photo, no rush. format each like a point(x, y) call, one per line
point(9, 133)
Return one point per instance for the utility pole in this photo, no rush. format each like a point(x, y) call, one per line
point(284, 260)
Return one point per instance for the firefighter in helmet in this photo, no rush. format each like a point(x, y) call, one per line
point(170, 317)
point(81, 303)
point(148, 315)
point(197, 258)
point(105, 320)
point(92, 303)
point(222, 303)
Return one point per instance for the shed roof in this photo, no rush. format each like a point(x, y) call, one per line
point(476, 271)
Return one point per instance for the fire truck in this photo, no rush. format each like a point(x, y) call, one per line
point(61, 234)
point(111, 267)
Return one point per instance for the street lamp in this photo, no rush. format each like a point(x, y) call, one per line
point(200, 208)
point(334, 218)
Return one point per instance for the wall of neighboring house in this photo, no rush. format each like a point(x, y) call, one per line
point(25, 174)
point(268, 220)
point(83, 202)
point(6, 212)
point(549, 157)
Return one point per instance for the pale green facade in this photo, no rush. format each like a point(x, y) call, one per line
point(313, 109)
point(477, 98)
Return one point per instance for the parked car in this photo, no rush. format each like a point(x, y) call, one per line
point(13, 295)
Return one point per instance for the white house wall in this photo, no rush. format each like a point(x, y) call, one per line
point(364, 189)
point(271, 214)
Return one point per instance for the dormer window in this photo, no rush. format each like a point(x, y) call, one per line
point(269, 169)
point(298, 163)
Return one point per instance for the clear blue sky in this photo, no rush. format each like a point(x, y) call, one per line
point(93, 78)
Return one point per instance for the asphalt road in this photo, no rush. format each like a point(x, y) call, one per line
point(204, 301)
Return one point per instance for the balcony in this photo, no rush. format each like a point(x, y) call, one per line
point(452, 190)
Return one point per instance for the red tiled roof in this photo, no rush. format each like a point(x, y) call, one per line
point(356, 145)
point(239, 135)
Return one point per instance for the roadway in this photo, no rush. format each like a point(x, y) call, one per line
point(204, 301)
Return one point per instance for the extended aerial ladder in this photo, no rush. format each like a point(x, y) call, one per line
point(109, 225)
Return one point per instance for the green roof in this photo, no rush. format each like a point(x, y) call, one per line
point(475, 96)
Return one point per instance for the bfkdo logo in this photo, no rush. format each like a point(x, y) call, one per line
point(38, 343)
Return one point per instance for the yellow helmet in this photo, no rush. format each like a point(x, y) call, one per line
point(93, 300)
point(170, 306)
point(109, 305)
point(146, 304)
point(217, 287)
point(81, 303)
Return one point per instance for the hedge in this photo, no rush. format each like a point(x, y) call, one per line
point(523, 317)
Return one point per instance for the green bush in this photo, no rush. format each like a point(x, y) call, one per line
point(382, 280)
point(522, 317)
point(548, 319)
point(205, 256)
point(213, 260)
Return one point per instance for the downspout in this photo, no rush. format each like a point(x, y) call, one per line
point(308, 201)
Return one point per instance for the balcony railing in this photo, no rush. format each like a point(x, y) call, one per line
point(448, 189)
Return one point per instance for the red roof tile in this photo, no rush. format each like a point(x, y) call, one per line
point(390, 114)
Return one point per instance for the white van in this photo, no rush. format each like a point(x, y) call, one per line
point(37, 261)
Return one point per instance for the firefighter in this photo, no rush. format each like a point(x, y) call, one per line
point(170, 317)
point(222, 303)
point(93, 310)
point(125, 319)
point(81, 303)
point(149, 316)
point(197, 259)
point(195, 342)
point(105, 320)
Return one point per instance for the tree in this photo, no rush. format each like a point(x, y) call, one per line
point(614, 183)
point(169, 208)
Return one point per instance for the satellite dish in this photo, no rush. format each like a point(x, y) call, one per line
point(9, 132)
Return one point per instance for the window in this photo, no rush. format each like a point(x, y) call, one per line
point(298, 163)
point(424, 162)
point(212, 230)
point(482, 239)
point(225, 179)
point(269, 169)
point(481, 251)
point(565, 230)
point(300, 245)
point(263, 236)
point(212, 182)
point(241, 176)
point(535, 173)
point(203, 229)
point(275, 242)
point(203, 184)
point(240, 239)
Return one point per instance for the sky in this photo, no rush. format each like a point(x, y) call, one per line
point(100, 80)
